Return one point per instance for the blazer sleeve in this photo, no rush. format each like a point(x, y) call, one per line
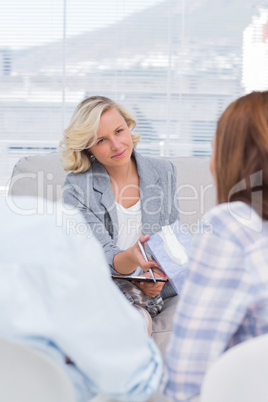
point(74, 196)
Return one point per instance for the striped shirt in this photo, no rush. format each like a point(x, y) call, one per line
point(225, 297)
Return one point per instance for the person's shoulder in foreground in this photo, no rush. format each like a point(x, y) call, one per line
point(227, 280)
point(57, 296)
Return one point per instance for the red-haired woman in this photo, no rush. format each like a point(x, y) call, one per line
point(225, 297)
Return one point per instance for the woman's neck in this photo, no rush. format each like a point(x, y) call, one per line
point(124, 174)
point(125, 184)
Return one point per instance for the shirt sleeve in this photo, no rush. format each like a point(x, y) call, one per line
point(212, 307)
point(101, 332)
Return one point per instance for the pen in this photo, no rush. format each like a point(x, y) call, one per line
point(146, 259)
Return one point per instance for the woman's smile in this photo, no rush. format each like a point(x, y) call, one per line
point(120, 155)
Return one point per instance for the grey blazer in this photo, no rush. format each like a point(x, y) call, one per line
point(92, 194)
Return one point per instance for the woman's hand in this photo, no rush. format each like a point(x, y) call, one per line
point(145, 265)
point(152, 289)
point(128, 260)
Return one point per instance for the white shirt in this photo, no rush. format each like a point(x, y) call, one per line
point(129, 228)
point(56, 295)
point(129, 225)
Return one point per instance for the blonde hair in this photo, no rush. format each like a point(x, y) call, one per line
point(81, 133)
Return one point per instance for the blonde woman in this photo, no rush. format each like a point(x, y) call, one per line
point(123, 196)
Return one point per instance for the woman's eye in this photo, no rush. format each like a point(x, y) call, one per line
point(100, 141)
point(119, 131)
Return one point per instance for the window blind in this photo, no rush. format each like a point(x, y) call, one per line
point(176, 64)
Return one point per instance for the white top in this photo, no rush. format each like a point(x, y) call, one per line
point(129, 225)
point(56, 295)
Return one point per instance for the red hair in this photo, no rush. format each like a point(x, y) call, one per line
point(241, 154)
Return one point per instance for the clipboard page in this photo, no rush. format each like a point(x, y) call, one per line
point(176, 273)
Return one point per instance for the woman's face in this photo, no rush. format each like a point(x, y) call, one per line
point(212, 159)
point(113, 147)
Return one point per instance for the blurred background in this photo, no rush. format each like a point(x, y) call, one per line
point(176, 64)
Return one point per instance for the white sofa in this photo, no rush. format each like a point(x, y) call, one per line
point(43, 176)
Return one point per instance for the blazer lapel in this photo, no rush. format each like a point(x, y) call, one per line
point(151, 194)
point(101, 183)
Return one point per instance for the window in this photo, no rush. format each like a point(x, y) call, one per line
point(175, 63)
